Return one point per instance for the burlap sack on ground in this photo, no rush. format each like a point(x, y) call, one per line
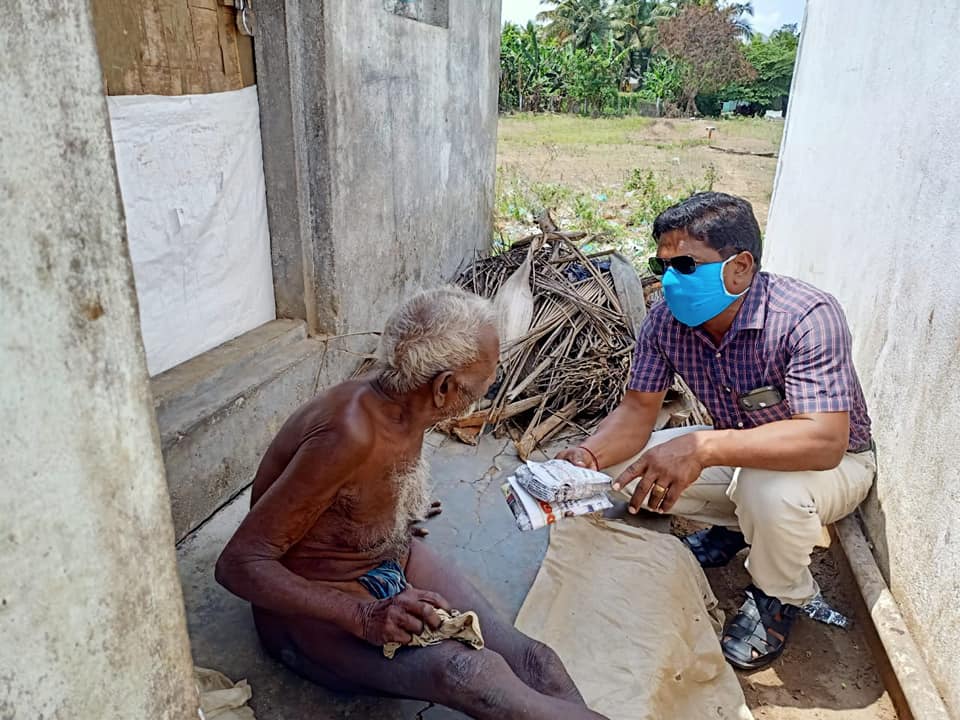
point(631, 614)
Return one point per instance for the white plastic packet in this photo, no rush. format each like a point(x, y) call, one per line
point(560, 481)
point(533, 514)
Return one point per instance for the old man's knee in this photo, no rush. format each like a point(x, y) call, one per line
point(472, 677)
point(543, 669)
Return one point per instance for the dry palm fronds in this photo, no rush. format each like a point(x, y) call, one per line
point(571, 368)
point(574, 359)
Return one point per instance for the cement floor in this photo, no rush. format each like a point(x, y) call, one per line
point(476, 530)
point(824, 674)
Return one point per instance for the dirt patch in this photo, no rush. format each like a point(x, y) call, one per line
point(825, 673)
point(593, 155)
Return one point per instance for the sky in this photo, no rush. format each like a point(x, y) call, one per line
point(768, 15)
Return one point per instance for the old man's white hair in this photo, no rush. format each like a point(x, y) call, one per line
point(431, 332)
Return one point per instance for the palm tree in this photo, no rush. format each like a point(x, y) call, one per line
point(738, 13)
point(583, 23)
point(634, 26)
point(634, 23)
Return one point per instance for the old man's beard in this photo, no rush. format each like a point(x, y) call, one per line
point(409, 487)
point(468, 396)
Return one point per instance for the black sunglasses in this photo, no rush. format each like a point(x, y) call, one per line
point(683, 264)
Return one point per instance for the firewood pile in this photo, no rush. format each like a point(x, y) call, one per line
point(569, 322)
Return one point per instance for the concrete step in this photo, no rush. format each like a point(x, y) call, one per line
point(197, 389)
point(219, 411)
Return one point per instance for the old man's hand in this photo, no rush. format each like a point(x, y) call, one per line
point(665, 471)
point(399, 618)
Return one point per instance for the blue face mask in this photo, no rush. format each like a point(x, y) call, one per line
point(693, 299)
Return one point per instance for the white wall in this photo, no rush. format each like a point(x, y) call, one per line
point(191, 175)
point(866, 207)
point(91, 613)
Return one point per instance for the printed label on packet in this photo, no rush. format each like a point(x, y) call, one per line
point(533, 514)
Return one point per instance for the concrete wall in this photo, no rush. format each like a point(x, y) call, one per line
point(412, 113)
point(91, 614)
point(865, 206)
point(379, 137)
point(380, 133)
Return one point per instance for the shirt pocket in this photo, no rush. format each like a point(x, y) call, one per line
point(762, 416)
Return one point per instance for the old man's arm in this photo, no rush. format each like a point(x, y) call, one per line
point(250, 565)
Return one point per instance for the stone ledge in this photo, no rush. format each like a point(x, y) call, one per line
point(186, 394)
point(217, 412)
point(902, 667)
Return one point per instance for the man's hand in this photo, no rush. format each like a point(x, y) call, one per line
point(579, 457)
point(399, 618)
point(436, 507)
point(665, 471)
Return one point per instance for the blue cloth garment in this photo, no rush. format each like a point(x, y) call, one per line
point(385, 580)
point(693, 299)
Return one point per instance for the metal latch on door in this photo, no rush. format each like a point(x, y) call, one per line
point(246, 22)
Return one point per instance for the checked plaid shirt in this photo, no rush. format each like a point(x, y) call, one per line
point(787, 334)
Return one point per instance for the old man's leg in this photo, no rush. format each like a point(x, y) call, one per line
point(532, 661)
point(479, 683)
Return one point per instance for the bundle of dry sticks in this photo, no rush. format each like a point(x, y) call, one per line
point(570, 364)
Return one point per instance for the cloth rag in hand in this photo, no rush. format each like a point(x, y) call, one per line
point(464, 627)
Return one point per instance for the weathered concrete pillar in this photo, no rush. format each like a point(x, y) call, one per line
point(291, 86)
point(91, 612)
point(379, 127)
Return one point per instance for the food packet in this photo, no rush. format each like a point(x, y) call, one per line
point(560, 481)
point(533, 514)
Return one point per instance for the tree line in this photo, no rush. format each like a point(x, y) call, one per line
point(605, 56)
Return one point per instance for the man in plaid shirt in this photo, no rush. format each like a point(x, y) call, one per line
point(790, 449)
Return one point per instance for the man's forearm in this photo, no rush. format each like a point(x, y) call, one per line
point(794, 445)
point(269, 585)
point(622, 434)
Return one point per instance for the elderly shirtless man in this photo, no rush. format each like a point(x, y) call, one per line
point(326, 556)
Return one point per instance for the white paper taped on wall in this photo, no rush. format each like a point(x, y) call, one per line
point(540, 494)
point(191, 176)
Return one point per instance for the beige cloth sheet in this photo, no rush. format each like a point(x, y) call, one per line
point(631, 614)
point(464, 627)
point(220, 698)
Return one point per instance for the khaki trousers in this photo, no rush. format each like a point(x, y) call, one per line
point(781, 514)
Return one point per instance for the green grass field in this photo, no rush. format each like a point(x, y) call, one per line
point(526, 129)
point(611, 176)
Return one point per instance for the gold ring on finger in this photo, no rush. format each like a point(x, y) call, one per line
point(658, 498)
